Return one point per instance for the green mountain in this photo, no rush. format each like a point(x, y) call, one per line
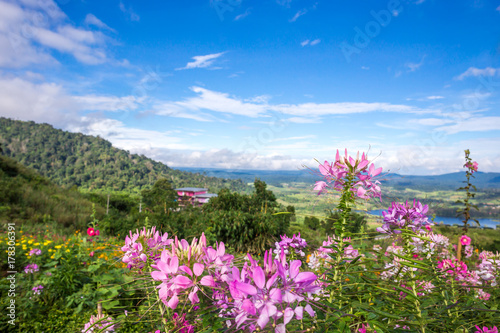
point(92, 163)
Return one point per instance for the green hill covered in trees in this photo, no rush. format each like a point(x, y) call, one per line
point(27, 196)
point(92, 163)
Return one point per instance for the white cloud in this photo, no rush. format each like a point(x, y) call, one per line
point(202, 61)
point(365, 68)
point(298, 14)
point(412, 66)
point(242, 16)
point(304, 43)
point(108, 103)
point(434, 97)
point(91, 19)
point(316, 41)
point(208, 100)
point(131, 15)
point(474, 124)
point(473, 71)
point(30, 30)
point(432, 121)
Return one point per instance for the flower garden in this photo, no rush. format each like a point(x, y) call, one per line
point(404, 277)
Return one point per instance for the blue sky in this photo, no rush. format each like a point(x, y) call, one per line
point(269, 84)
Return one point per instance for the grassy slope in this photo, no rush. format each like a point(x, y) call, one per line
point(34, 201)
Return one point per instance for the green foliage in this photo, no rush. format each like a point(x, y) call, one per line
point(91, 163)
point(161, 198)
point(248, 223)
point(354, 225)
point(312, 222)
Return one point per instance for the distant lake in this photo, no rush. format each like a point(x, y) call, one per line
point(450, 220)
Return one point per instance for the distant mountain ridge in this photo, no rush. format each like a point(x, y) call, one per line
point(275, 177)
point(92, 163)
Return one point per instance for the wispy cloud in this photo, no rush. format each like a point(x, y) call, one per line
point(213, 101)
point(434, 97)
point(473, 71)
point(91, 19)
point(129, 12)
point(242, 16)
point(203, 61)
point(315, 42)
point(413, 66)
point(298, 14)
point(311, 43)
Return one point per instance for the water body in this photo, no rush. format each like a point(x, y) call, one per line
point(452, 220)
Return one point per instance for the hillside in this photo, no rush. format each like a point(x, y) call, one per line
point(27, 196)
point(92, 163)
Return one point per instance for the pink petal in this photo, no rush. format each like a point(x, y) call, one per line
point(186, 269)
point(294, 268)
point(258, 277)
point(182, 281)
point(173, 265)
point(271, 281)
point(275, 294)
point(246, 288)
point(193, 296)
point(172, 303)
point(299, 312)
point(158, 276)
point(184, 244)
point(310, 310)
point(208, 281)
point(248, 306)
point(263, 320)
point(306, 277)
point(288, 315)
point(198, 269)
point(280, 328)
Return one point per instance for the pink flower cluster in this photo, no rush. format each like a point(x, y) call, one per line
point(276, 292)
point(296, 243)
point(92, 232)
point(35, 252)
point(471, 166)
point(321, 257)
point(485, 329)
point(99, 324)
point(37, 290)
point(359, 170)
point(401, 216)
point(142, 245)
point(250, 297)
point(31, 268)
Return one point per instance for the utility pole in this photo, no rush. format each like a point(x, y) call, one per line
point(107, 206)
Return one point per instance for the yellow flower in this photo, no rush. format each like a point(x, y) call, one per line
point(67, 250)
point(58, 246)
point(36, 244)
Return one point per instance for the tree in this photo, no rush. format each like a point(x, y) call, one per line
point(161, 198)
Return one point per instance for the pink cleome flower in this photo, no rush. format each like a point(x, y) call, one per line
point(465, 240)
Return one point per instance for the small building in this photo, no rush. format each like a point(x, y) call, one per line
point(195, 196)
